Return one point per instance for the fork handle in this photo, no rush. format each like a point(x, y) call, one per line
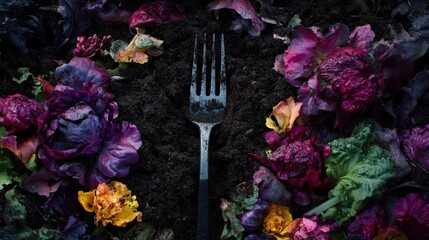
point(203, 189)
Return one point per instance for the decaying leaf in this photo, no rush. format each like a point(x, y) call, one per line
point(140, 48)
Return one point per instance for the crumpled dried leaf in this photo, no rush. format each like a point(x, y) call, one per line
point(140, 48)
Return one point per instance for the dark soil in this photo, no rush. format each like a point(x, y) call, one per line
point(154, 97)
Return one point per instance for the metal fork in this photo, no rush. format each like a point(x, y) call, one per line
point(207, 103)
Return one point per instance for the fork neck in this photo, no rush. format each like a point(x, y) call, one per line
point(205, 130)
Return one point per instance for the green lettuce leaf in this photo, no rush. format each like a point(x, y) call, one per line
point(7, 173)
point(361, 170)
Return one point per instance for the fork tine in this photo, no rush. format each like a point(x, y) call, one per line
point(194, 69)
point(222, 89)
point(213, 73)
point(204, 68)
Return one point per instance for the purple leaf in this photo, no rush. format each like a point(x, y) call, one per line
point(362, 37)
point(120, 152)
point(396, 66)
point(74, 23)
point(412, 212)
point(245, 9)
point(107, 11)
point(389, 139)
point(79, 138)
point(300, 57)
point(367, 223)
point(273, 139)
point(18, 113)
point(155, 13)
point(88, 47)
point(407, 98)
point(337, 37)
point(73, 230)
point(317, 96)
point(43, 182)
point(252, 220)
point(80, 71)
point(346, 70)
point(415, 144)
point(270, 188)
point(24, 151)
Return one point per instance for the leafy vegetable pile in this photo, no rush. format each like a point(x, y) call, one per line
point(67, 143)
point(334, 167)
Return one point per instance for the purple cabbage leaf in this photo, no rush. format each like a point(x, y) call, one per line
point(108, 11)
point(156, 13)
point(389, 139)
point(396, 61)
point(42, 182)
point(82, 71)
point(307, 49)
point(257, 236)
point(417, 13)
point(74, 229)
point(406, 99)
point(88, 47)
point(252, 220)
point(81, 138)
point(270, 187)
point(415, 145)
point(13, 34)
point(74, 22)
point(248, 20)
point(18, 113)
point(367, 223)
point(412, 212)
point(298, 161)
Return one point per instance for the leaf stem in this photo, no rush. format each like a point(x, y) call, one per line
point(324, 206)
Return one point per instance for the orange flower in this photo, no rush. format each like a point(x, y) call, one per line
point(112, 203)
point(285, 114)
point(276, 221)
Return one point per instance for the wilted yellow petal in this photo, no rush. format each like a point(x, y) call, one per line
point(285, 113)
point(270, 123)
point(128, 214)
point(138, 49)
point(86, 199)
point(112, 203)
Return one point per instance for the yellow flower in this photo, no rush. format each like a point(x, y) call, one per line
point(112, 203)
point(276, 221)
point(285, 114)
